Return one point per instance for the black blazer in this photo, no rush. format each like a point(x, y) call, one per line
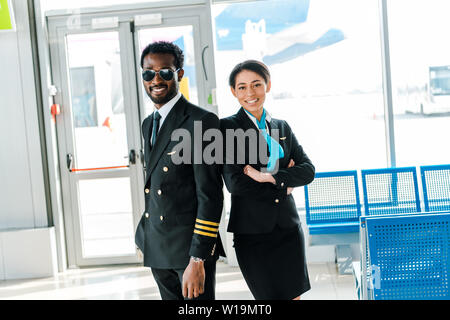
point(183, 203)
point(258, 207)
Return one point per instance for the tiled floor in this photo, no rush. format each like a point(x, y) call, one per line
point(136, 282)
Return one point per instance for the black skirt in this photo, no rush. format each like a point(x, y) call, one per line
point(273, 264)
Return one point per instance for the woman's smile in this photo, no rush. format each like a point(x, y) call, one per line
point(253, 101)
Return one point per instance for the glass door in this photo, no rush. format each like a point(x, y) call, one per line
point(96, 67)
point(99, 144)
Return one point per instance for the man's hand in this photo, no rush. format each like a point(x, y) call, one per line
point(194, 279)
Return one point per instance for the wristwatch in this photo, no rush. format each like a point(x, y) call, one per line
point(195, 259)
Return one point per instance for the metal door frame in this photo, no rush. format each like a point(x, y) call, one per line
point(66, 143)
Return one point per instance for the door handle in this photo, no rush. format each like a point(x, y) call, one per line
point(132, 156)
point(69, 159)
point(203, 62)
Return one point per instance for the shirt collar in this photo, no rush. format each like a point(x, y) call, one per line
point(165, 109)
point(268, 118)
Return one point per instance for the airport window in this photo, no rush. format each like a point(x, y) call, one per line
point(325, 61)
point(420, 66)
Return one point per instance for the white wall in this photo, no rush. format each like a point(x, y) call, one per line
point(23, 210)
point(22, 193)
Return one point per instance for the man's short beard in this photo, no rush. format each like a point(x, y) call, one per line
point(165, 99)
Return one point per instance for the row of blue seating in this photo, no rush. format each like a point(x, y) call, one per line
point(333, 205)
point(404, 250)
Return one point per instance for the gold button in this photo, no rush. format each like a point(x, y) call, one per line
point(276, 200)
point(147, 215)
point(147, 190)
point(159, 192)
point(165, 169)
point(161, 218)
point(282, 184)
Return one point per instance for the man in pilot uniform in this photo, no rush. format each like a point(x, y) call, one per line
point(179, 230)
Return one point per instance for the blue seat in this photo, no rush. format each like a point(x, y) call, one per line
point(332, 203)
point(436, 187)
point(408, 256)
point(332, 214)
point(390, 191)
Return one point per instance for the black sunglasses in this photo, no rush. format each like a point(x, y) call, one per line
point(165, 74)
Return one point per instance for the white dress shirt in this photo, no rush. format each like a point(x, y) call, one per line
point(165, 109)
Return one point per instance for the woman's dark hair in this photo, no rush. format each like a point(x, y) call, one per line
point(164, 47)
point(251, 65)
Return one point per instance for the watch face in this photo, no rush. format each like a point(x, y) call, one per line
point(195, 259)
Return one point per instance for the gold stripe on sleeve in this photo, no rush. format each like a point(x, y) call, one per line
point(212, 235)
point(206, 228)
point(216, 224)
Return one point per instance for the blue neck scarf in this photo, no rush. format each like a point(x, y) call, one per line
point(275, 150)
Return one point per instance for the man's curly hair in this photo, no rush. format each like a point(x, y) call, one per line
point(164, 47)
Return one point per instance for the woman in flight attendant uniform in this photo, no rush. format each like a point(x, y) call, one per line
point(268, 238)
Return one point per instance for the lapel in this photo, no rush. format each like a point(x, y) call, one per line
point(245, 121)
point(147, 136)
point(173, 121)
point(273, 125)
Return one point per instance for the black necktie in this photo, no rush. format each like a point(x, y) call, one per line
point(156, 118)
